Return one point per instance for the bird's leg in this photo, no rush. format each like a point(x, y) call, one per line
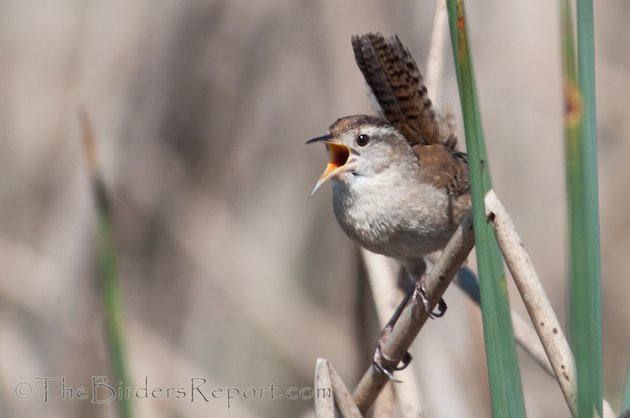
point(415, 269)
point(379, 356)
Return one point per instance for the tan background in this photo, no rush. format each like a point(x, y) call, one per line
point(229, 271)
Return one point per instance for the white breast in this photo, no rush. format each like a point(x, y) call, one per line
point(400, 218)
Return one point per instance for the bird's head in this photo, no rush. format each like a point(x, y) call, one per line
point(360, 145)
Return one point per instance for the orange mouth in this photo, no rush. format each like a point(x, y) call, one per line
point(338, 159)
point(338, 155)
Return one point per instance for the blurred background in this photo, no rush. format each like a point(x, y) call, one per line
point(228, 270)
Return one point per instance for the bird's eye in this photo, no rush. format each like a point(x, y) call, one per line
point(362, 140)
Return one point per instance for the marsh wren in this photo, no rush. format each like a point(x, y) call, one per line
point(400, 187)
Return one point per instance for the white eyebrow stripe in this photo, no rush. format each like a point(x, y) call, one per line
point(377, 130)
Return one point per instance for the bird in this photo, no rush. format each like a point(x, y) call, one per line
point(400, 187)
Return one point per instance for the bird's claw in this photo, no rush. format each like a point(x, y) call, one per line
point(379, 356)
point(441, 309)
point(441, 306)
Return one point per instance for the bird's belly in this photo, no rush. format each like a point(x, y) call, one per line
point(396, 228)
point(395, 239)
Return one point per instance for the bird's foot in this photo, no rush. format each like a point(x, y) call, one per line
point(380, 357)
point(441, 306)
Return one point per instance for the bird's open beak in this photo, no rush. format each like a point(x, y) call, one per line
point(338, 160)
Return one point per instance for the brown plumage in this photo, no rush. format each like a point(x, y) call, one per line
point(397, 85)
point(444, 168)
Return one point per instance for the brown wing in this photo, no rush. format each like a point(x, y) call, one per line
point(444, 168)
point(397, 84)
